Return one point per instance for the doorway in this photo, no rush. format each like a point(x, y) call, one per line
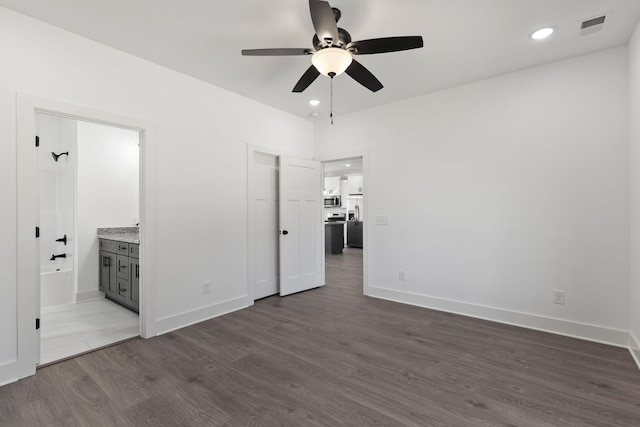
point(264, 230)
point(88, 179)
point(25, 344)
point(344, 214)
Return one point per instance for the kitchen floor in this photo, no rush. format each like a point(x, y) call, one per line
point(71, 329)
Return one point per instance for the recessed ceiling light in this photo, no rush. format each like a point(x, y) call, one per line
point(542, 33)
point(314, 115)
point(348, 165)
point(314, 102)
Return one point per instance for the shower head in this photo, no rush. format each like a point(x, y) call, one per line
point(56, 156)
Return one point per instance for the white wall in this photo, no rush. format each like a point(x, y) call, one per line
point(107, 183)
point(201, 148)
point(634, 137)
point(500, 192)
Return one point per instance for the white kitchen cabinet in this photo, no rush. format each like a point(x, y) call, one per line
point(332, 186)
point(354, 183)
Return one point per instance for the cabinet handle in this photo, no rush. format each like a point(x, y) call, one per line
point(137, 271)
point(106, 261)
point(121, 290)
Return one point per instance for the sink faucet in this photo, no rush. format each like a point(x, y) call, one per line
point(53, 257)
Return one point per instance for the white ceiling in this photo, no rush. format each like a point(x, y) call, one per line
point(465, 40)
point(343, 167)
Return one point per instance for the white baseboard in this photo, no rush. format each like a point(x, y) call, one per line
point(171, 323)
point(634, 348)
point(583, 331)
point(88, 295)
point(12, 380)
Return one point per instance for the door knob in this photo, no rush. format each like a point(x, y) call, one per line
point(285, 232)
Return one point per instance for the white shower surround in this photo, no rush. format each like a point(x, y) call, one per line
point(57, 208)
point(56, 286)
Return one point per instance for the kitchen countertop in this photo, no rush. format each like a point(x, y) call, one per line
point(334, 222)
point(120, 234)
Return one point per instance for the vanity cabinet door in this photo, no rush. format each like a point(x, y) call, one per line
point(122, 266)
point(107, 281)
point(124, 291)
point(134, 281)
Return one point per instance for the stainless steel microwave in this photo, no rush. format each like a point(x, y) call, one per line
point(332, 202)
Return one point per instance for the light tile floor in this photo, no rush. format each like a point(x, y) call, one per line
point(70, 329)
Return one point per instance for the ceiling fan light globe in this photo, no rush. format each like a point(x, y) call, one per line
point(331, 60)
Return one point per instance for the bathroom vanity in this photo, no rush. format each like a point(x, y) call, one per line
point(119, 250)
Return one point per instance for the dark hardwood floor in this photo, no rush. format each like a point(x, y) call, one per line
point(331, 357)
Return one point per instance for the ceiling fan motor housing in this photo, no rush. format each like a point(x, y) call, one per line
point(344, 38)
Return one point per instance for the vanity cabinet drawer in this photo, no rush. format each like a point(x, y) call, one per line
point(122, 248)
point(108, 245)
point(134, 250)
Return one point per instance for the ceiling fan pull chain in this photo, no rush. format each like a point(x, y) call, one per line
point(331, 106)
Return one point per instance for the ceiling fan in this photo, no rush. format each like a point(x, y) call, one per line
point(333, 50)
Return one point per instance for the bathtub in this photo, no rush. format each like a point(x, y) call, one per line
point(56, 285)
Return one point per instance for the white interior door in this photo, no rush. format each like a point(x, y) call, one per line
point(265, 224)
point(301, 243)
point(17, 330)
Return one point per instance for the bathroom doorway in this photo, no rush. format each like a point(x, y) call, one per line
point(27, 337)
point(88, 178)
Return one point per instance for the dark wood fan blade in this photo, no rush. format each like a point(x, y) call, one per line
point(385, 44)
point(324, 21)
point(363, 76)
point(277, 52)
point(307, 78)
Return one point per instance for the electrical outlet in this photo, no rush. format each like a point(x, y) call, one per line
point(206, 287)
point(558, 297)
point(402, 275)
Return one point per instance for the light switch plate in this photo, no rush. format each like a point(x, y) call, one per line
point(558, 297)
point(382, 220)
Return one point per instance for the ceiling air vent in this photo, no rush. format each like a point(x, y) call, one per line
point(592, 25)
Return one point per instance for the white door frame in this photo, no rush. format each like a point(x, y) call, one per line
point(28, 216)
point(364, 154)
